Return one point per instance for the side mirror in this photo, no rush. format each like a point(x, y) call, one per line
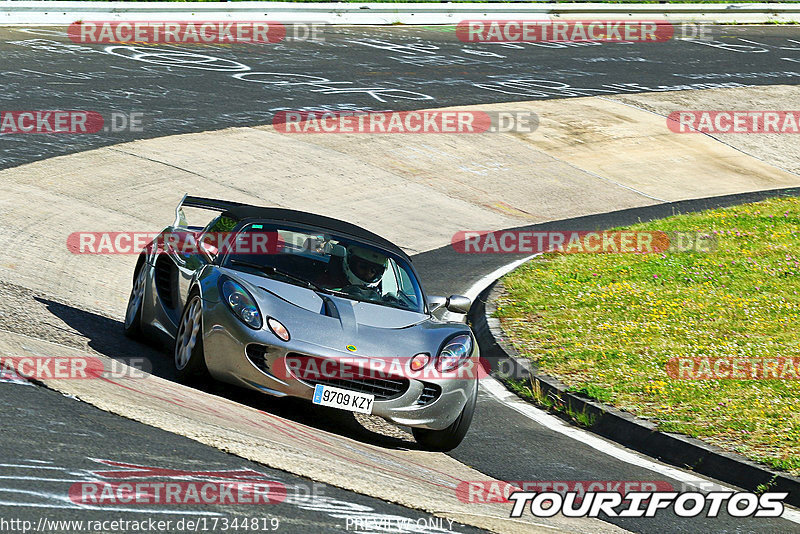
point(458, 304)
point(453, 303)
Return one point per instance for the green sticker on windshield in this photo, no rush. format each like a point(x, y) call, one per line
point(258, 226)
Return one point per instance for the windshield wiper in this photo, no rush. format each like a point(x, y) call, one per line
point(338, 293)
point(268, 269)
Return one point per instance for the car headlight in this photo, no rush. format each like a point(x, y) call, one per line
point(241, 304)
point(455, 352)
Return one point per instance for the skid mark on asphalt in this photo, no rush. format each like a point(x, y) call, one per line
point(307, 497)
point(167, 457)
point(417, 479)
point(60, 499)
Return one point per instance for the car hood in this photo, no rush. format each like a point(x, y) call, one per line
point(336, 322)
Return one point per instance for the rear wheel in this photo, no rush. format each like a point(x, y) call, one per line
point(450, 437)
point(190, 364)
point(133, 314)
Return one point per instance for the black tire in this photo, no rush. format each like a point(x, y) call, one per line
point(191, 369)
point(132, 327)
point(450, 437)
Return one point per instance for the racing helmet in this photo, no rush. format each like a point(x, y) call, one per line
point(364, 266)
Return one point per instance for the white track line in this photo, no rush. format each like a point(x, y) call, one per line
point(485, 282)
point(551, 422)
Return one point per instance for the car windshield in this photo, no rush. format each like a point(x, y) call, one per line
point(320, 261)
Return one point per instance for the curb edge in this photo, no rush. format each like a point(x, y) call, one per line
point(622, 427)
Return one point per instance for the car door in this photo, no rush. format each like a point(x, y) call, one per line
point(190, 259)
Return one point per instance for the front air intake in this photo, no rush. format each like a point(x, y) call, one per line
point(385, 387)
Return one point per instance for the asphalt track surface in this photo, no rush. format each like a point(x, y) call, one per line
point(354, 68)
point(196, 88)
point(51, 443)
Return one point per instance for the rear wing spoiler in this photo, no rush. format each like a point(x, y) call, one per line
point(202, 203)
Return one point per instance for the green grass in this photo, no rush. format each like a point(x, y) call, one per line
point(606, 325)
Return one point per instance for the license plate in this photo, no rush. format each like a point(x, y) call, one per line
point(343, 399)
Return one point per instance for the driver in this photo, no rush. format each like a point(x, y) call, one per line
point(364, 269)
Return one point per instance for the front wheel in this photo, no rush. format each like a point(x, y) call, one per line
point(190, 364)
point(450, 437)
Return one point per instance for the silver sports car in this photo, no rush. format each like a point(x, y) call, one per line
point(290, 303)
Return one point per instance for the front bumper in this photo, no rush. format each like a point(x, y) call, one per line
point(225, 344)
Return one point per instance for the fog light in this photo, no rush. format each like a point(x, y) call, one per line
point(419, 361)
point(278, 329)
